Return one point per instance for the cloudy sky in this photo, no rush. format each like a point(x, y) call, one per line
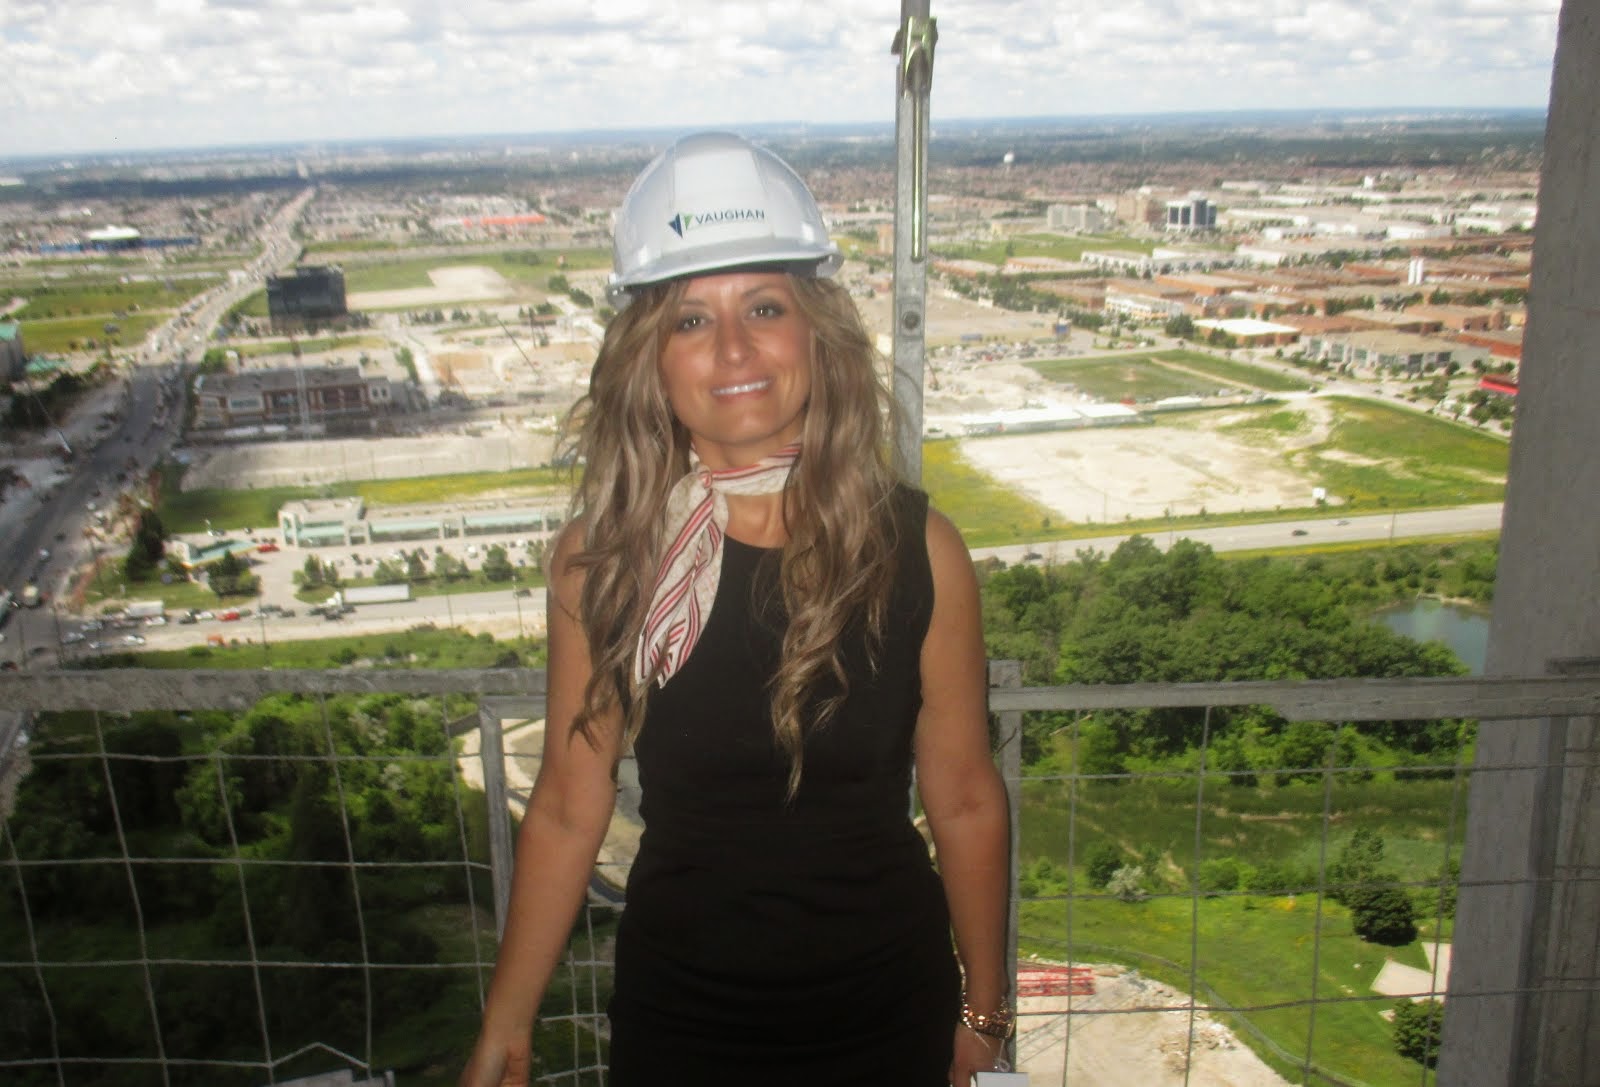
point(104, 75)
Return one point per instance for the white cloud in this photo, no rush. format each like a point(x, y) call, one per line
point(89, 74)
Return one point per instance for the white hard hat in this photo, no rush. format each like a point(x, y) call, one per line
point(715, 200)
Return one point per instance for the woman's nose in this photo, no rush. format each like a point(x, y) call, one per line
point(734, 346)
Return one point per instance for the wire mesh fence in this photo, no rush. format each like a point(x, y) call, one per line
point(255, 878)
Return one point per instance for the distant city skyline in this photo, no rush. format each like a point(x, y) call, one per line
point(87, 76)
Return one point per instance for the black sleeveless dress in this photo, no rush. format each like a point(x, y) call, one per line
point(767, 942)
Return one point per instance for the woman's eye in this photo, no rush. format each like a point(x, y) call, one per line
point(689, 322)
point(768, 309)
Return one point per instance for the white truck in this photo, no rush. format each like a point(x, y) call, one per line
point(144, 609)
point(368, 594)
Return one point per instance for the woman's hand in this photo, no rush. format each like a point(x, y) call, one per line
point(498, 1064)
point(973, 1053)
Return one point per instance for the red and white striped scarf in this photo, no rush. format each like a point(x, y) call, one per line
point(691, 566)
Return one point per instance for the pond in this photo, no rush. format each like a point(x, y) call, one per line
point(1464, 630)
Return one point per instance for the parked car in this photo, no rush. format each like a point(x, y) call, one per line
point(133, 639)
point(228, 616)
point(267, 547)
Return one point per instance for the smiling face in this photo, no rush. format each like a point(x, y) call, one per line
point(737, 366)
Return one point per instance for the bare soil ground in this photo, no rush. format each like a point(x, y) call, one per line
point(451, 284)
point(1110, 473)
point(1120, 1036)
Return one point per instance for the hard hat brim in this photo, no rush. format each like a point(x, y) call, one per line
point(820, 261)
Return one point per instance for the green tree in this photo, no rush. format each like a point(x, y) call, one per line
point(230, 576)
point(1179, 327)
point(496, 566)
point(149, 536)
point(1382, 914)
point(1358, 863)
point(1418, 1027)
point(1102, 863)
point(416, 566)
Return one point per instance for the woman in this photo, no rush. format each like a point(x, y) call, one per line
point(780, 629)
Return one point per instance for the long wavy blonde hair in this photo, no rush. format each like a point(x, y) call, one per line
point(838, 564)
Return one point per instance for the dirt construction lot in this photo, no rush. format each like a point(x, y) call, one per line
point(1108, 474)
point(1117, 1037)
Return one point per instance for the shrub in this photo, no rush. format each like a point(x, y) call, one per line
point(1417, 1027)
point(1103, 862)
point(1128, 883)
point(1280, 877)
point(1041, 878)
point(1221, 874)
point(1382, 915)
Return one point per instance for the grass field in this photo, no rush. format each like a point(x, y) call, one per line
point(1252, 950)
point(1157, 375)
point(1387, 456)
point(517, 267)
point(1240, 374)
point(1059, 246)
point(188, 511)
point(95, 295)
point(986, 513)
point(63, 334)
point(1123, 377)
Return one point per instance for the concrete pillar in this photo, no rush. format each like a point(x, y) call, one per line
point(1523, 1010)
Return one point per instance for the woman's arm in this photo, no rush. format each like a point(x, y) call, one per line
point(961, 790)
point(561, 833)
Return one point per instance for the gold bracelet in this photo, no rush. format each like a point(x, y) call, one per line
point(996, 1024)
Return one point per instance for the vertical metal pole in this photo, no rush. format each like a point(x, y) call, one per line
point(492, 750)
point(1008, 752)
point(913, 44)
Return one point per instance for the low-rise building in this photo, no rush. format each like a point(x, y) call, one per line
point(288, 397)
point(1376, 350)
point(1248, 332)
point(1078, 218)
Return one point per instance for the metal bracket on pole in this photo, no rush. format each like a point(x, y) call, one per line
point(913, 44)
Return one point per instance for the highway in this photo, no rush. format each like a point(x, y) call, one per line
point(505, 614)
point(1368, 527)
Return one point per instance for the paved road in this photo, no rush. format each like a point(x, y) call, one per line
point(506, 615)
point(1364, 527)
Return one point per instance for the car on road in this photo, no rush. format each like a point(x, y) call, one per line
point(524, 591)
point(228, 616)
point(133, 639)
point(1298, 532)
point(205, 615)
point(72, 637)
point(1341, 522)
point(267, 548)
